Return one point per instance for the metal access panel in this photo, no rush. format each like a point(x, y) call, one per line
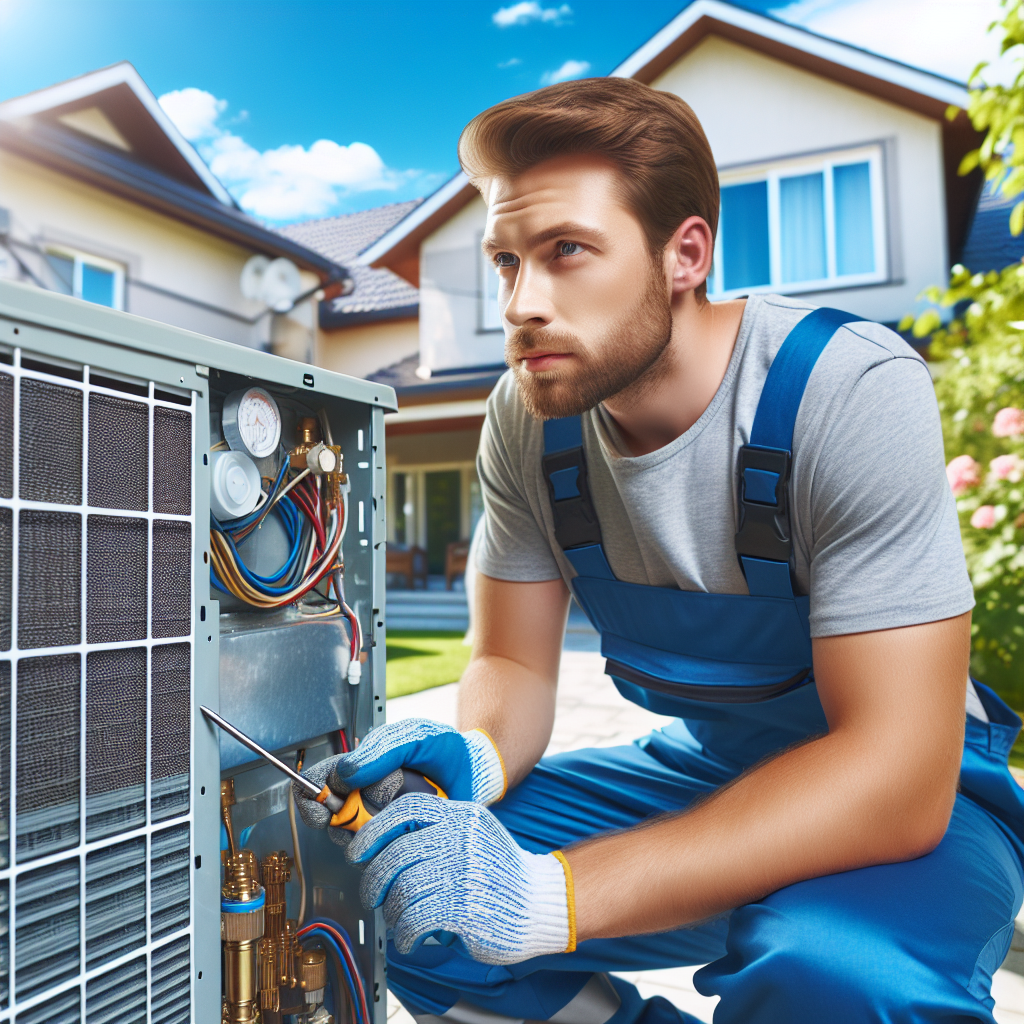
point(110, 639)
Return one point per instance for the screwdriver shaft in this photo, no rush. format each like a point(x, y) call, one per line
point(309, 787)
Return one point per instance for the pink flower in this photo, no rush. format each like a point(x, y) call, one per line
point(1007, 467)
point(1009, 422)
point(963, 473)
point(984, 518)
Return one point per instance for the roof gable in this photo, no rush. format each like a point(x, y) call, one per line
point(118, 96)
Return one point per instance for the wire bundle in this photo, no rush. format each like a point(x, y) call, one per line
point(315, 531)
point(337, 941)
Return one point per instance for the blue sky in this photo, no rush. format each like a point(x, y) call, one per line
point(309, 109)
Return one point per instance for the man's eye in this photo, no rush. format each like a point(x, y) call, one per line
point(569, 249)
point(504, 260)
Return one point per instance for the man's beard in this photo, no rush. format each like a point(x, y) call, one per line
point(627, 359)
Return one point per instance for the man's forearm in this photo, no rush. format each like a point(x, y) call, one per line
point(831, 805)
point(513, 705)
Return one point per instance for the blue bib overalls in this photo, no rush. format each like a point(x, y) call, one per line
point(915, 941)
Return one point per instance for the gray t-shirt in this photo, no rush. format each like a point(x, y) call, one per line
point(876, 539)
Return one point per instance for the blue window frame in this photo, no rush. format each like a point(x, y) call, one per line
point(802, 225)
point(86, 277)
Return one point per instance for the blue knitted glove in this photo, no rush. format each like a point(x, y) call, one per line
point(441, 865)
point(466, 765)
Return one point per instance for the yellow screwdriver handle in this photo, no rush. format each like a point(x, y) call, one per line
point(353, 814)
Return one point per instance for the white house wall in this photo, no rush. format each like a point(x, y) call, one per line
point(450, 295)
point(49, 208)
point(367, 348)
point(755, 108)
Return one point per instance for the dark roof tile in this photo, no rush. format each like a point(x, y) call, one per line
point(989, 244)
point(378, 294)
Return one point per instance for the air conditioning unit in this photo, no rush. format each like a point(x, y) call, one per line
point(120, 615)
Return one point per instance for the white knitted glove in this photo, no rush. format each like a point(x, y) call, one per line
point(466, 765)
point(441, 865)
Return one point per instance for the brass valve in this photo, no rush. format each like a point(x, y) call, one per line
point(276, 868)
point(314, 976)
point(241, 928)
point(311, 453)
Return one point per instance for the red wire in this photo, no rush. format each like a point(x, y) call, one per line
point(348, 956)
point(344, 741)
point(301, 499)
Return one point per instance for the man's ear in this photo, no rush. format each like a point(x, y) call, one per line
point(689, 254)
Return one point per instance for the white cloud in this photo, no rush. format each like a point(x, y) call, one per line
point(510, 63)
point(570, 69)
point(945, 36)
point(280, 184)
point(529, 10)
point(193, 111)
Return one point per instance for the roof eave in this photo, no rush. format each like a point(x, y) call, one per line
point(870, 72)
point(398, 249)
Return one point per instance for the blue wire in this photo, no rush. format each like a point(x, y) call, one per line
point(326, 936)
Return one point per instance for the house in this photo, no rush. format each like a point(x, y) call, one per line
point(103, 198)
point(839, 184)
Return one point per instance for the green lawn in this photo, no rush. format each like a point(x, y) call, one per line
point(420, 659)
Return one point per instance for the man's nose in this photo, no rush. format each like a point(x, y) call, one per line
point(529, 303)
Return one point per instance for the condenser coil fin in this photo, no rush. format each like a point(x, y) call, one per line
point(115, 901)
point(170, 770)
point(118, 453)
point(49, 579)
point(6, 532)
point(47, 755)
point(50, 459)
point(115, 591)
point(169, 978)
point(172, 578)
point(115, 741)
point(119, 996)
point(46, 909)
point(172, 469)
point(6, 435)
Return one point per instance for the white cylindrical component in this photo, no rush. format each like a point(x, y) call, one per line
point(320, 459)
point(234, 485)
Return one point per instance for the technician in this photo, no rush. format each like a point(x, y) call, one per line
point(748, 500)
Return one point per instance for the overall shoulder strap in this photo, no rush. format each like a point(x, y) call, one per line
point(764, 542)
point(577, 529)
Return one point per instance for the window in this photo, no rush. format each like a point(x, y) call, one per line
point(86, 277)
point(490, 311)
point(801, 225)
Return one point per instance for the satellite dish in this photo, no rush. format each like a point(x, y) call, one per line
point(280, 285)
point(252, 276)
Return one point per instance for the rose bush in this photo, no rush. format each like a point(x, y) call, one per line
point(976, 329)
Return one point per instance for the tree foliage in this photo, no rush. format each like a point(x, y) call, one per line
point(977, 356)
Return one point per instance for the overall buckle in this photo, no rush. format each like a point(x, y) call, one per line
point(764, 529)
point(576, 520)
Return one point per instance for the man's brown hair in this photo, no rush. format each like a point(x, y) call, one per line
point(654, 137)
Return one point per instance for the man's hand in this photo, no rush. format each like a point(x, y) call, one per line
point(439, 865)
point(467, 766)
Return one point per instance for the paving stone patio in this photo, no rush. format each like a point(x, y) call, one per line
point(590, 713)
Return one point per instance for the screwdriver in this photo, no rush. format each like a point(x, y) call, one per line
point(350, 813)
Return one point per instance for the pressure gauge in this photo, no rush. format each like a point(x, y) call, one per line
point(252, 422)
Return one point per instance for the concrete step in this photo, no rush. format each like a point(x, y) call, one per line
point(427, 609)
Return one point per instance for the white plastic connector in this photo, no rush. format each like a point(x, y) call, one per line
point(355, 672)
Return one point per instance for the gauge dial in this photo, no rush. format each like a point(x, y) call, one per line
point(252, 422)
